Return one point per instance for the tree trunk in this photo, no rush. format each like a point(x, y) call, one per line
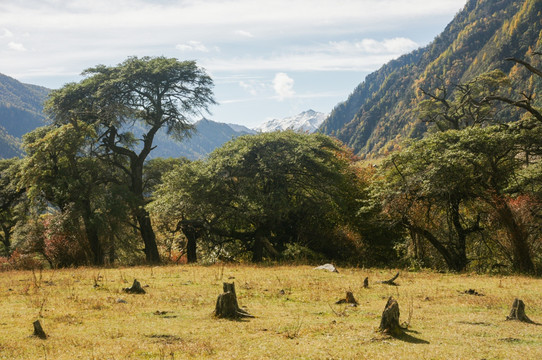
point(135, 288)
point(257, 249)
point(145, 226)
point(227, 306)
point(191, 254)
point(455, 261)
point(38, 330)
point(518, 312)
point(92, 235)
point(389, 323)
point(149, 238)
point(6, 239)
point(521, 260)
point(192, 230)
point(349, 299)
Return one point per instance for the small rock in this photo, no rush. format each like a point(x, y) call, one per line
point(121, 301)
point(328, 267)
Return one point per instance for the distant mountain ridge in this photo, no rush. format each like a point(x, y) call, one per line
point(380, 112)
point(208, 135)
point(307, 121)
point(21, 111)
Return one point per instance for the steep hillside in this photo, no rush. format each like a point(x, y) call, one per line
point(21, 110)
point(9, 146)
point(208, 136)
point(381, 110)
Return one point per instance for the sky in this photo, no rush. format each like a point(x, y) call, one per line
point(268, 59)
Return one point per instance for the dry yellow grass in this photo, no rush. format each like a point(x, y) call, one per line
point(296, 317)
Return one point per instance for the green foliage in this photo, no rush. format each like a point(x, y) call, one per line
point(451, 186)
point(157, 93)
point(13, 204)
point(268, 191)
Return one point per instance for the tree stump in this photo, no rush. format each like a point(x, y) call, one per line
point(135, 288)
point(390, 281)
point(389, 324)
point(38, 330)
point(518, 312)
point(348, 300)
point(366, 283)
point(227, 306)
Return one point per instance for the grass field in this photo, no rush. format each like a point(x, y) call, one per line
point(87, 316)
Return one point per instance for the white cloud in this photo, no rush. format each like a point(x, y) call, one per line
point(250, 87)
point(283, 85)
point(363, 55)
point(6, 34)
point(244, 33)
point(192, 46)
point(397, 45)
point(70, 35)
point(16, 46)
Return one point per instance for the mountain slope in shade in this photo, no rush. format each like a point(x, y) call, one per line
point(381, 110)
point(21, 111)
point(308, 121)
point(9, 145)
point(208, 136)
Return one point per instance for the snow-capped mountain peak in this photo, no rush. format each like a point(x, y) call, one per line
point(307, 121)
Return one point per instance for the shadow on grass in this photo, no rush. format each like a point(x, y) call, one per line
point(406, 337)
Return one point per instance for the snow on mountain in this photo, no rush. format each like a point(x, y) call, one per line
point(307, 121)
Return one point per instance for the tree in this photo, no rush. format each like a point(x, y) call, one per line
point(268, 191)
point(527, 102)
point(440, 181)
point(157, 93)
point(426, 188)
point(61, 174)
point(462, 105)
point(12, 201)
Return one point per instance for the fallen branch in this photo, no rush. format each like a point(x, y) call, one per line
point(390, 281)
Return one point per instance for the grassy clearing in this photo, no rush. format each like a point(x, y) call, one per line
point(296, 317)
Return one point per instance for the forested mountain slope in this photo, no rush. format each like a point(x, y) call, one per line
point(21, 110)
point(381, 110)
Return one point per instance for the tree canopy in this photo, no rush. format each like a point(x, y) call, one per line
point(158, 93)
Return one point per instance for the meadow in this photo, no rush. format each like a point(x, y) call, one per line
point(86, 314)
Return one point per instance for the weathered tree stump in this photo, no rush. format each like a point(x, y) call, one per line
point(390, 281)
point(227, 306)
point(38, 330)
point(348, 300)
point(389, 324)
point(135, 288)
point(518, 312)
point(366, 283)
